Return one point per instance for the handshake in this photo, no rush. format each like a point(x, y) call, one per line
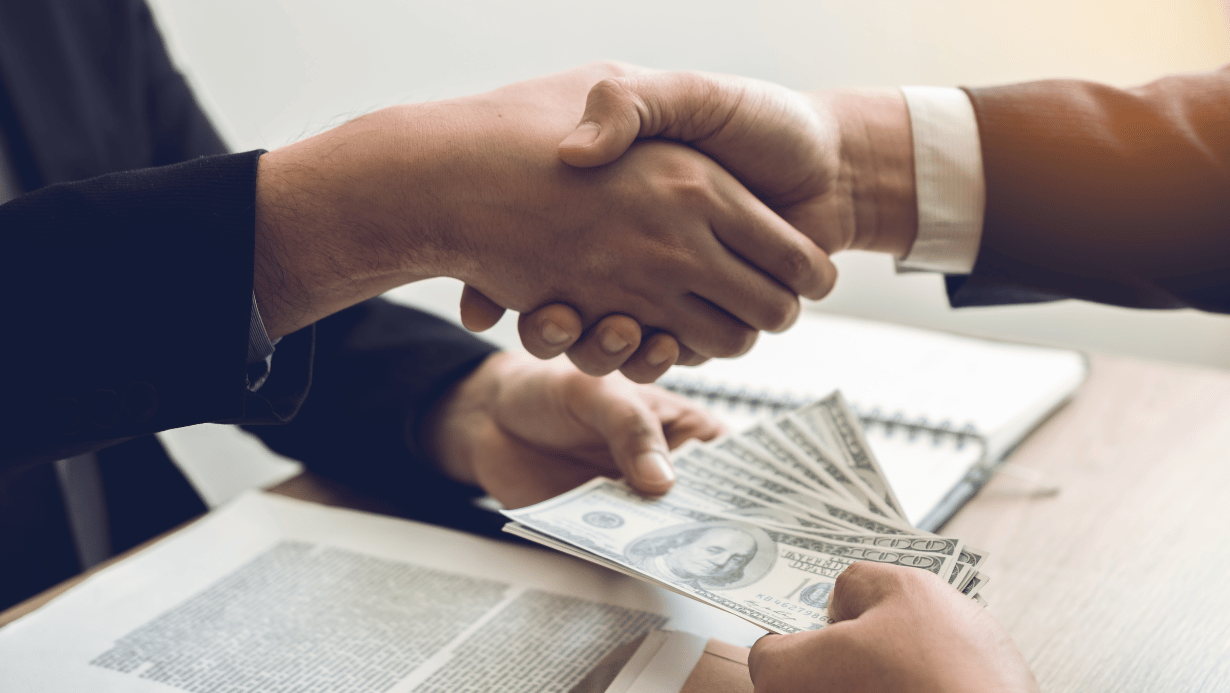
point(636, 219)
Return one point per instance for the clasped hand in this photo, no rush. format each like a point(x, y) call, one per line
point(473, 188)
point(782, 145)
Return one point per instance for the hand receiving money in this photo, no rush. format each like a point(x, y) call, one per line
point(896, 630)
point(759, 524)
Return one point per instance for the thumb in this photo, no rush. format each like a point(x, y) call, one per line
point(610, 124)
point(764, 655)
point(865, 585)
point(684, 106)
point(478, 312)
point(632, 431)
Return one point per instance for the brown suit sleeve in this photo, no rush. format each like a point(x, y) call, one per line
point(1114, 195)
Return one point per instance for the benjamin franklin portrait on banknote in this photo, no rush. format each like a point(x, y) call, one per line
point(706, 555)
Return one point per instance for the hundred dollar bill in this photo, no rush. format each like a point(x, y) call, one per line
point(973, 583)
point(524, 532)
point(782, 521)
point(768, 438)
point(799, 436)
point(824, 453)
point(681, 502)
point(958, 572)
point(728, 497)
point(776, 580)
point(698, 495)
point(972, 556)
point(832, 418)
point(690, 471)
point(715, 467)
point(684, 505)
point(786, 466)
point(733, 467)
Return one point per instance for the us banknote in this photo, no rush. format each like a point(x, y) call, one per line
point(776, 579)
point(759, 523)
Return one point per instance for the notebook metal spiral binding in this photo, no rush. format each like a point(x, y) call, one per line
point(754, 401)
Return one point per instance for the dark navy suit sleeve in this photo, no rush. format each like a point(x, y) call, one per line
point(1120, 196)
point(128, 302)
point(379, 370)
point(131, 290)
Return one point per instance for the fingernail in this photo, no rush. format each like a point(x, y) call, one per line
point(612, 342)
point(553, 334)
point(654, 469)
point(658, 354)
point(585, 135)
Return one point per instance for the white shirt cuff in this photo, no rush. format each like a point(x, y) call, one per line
point(949, 180)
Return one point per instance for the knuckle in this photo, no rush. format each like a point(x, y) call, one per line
point(828, 279)
point(609, 88)
point(781, 313)
point(639, 373)
point(608, 66)
point(733, 342)
point(687, 182)
point(799, 268)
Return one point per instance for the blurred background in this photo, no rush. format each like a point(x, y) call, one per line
point(270, 72)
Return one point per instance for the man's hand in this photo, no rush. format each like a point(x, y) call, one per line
point(898, 629)
point(472, 188)
point(527, 430)
point(836, 165)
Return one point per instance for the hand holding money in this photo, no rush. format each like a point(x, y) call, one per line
point(759, 524)
point(895, 630)
point(526, 430)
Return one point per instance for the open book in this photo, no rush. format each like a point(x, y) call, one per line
point(939, 410)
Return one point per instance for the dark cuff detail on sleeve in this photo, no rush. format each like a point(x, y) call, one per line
point(379, 369)
point(969, 291)
point(282, 394)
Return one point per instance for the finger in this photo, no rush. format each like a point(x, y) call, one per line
point(610, 124)
point(657, 354)
point(688, 357)
point(746, 294)
point(735, 283)
point(710, 331)
point(865, 585)
point(548, 331)
point(607, 345)
point(766, 241)
point(632, 431)
point(686, 106)
point(478, 312)
point(523, 477)
point(762, 655)
point(681, 418)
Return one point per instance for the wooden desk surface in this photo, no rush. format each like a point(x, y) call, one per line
point(1121, 582)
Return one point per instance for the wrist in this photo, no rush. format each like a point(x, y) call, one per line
point(878, 200)
point(450, 431)
point(334, 225)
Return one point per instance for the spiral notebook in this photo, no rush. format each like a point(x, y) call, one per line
point(940, 411)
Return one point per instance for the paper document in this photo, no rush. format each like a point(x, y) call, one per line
point(278, 595)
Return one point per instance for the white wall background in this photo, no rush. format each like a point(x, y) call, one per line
point(271, 71)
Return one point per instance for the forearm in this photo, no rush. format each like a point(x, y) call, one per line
point(334, 225)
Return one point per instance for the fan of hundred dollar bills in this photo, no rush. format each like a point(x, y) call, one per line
point(759, 523)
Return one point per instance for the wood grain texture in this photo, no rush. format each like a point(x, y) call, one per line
point(1119, 583)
